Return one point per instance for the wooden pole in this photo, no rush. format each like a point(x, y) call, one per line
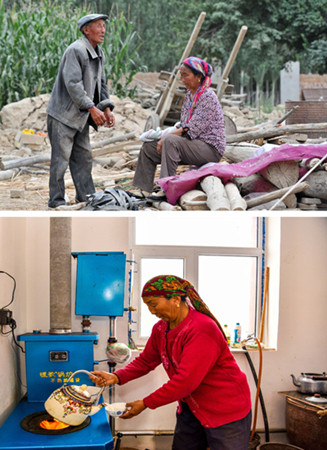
point(264, 307)
point(167, 95)
point(224, 78)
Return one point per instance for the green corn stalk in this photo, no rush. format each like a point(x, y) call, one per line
point(121, 50)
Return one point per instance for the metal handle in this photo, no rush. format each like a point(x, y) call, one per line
point(88, 373)
point(85, 371)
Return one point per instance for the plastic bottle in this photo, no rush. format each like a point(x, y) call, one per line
point(227, 334)
point(237, 335)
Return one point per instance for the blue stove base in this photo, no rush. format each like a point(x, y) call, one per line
point(97, 435)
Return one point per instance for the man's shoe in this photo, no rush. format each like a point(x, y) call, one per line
point(139, 193)
point(55, 205)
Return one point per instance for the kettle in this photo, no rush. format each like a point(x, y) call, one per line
point(311, 383)
point(73, 404)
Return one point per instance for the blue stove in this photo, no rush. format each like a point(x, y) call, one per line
point(50, 360)
point(96, 435)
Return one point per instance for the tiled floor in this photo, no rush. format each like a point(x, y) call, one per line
point(164, 442)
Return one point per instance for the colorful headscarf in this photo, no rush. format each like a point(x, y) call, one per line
point(172, 286)
point(205, 70)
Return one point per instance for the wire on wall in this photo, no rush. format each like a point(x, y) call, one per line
point(6, 318)
point(14, 288)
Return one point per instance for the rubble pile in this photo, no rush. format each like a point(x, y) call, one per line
point(25, 152)
point(25, 158)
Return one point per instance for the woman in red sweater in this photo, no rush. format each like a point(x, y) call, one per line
point(213, 393)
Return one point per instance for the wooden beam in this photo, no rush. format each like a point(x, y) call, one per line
point(224, 78)
point(265, 198)
point(168, 94)
point(21, 162)
point(112, 140)
point(275, 131)
point(8, 174)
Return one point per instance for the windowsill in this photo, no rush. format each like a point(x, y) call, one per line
point(251, 349)
point(140, 348)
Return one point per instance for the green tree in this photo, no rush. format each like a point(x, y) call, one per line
point(303, 25)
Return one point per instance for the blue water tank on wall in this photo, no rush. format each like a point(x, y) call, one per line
point(100, 283)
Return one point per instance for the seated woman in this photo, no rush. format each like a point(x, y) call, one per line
point(200, 137)
point(213, 394)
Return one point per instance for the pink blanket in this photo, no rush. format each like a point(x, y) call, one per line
point(177, 185)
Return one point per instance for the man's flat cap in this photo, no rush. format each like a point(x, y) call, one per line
point(90, 18)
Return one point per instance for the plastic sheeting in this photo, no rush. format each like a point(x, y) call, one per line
point(177, 185)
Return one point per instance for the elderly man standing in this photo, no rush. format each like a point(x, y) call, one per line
point(80, 98)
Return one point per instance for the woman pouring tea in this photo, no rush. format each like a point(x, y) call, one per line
point(213, 394)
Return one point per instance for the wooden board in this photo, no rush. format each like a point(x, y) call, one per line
point(295, 395)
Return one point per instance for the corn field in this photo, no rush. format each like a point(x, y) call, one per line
point(34, 37)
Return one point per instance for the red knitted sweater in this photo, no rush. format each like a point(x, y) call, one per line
point(201, 370)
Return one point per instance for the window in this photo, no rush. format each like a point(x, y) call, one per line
point(227, 285)
point(228, 277)
point(150, 267)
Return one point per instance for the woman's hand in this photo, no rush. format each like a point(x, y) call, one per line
point(178, 132)
point(134, 409)
point(159, 146)
point(101, 378)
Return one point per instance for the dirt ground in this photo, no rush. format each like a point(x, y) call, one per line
point(28, 189)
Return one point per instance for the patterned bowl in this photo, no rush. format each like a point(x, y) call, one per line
point(116, 409)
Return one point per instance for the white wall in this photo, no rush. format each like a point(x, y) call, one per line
point(303, 311)
point(303, 307)
point(12, 260)
point(290, 82)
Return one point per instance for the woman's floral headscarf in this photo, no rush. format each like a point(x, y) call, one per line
point(205, 70)
point(172, 286)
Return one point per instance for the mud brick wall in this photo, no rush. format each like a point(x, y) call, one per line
point(308, 112)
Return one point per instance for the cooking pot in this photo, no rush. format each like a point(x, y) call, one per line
point(73, 404)
point(311, 383)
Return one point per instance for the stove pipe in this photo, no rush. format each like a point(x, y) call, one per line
point(60, 275)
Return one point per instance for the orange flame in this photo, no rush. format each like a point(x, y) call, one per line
point(53, 425)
